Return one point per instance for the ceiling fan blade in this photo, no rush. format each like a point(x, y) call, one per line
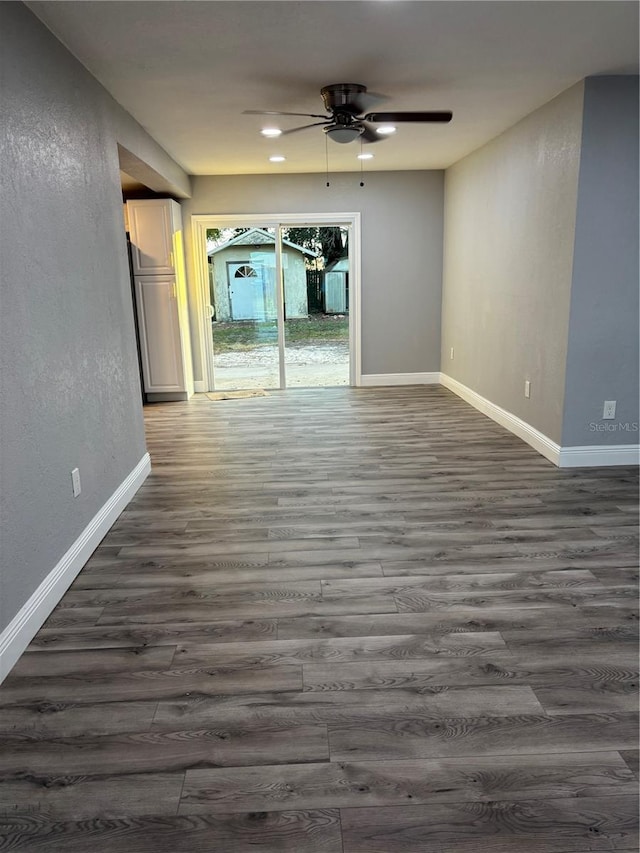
point(305, 126)
point(278, 113)
point(369, 135)
point(366, 100)
point(392, 118)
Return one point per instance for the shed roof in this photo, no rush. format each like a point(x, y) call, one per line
point(258, 237)
point(341, 265)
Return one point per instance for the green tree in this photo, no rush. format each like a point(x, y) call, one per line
point(331, 242)
point(222, 235)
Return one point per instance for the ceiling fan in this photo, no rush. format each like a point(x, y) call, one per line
point(347, 120)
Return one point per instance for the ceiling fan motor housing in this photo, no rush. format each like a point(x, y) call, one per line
point(342, 97)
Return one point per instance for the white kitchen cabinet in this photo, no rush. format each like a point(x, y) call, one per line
point(159, 323)
point(155, 231)
point(152, 223)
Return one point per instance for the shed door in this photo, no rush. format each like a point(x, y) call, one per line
point(247, 291)
point(335, 292)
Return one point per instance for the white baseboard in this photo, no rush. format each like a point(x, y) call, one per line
point(589, 456)
point(599, 456)
point(533, 437)
point(200, 386)
point(30, 618)
point(370, 380)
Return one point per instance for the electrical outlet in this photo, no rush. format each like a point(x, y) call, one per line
point(75, 482)
point(451, 354)
point(609, 410)
point(527, 388)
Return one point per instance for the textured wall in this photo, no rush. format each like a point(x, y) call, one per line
point(602, 362)
point(509, 231)
point(401, 250)
point(70, 383)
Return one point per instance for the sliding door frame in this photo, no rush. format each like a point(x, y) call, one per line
point(199, 225)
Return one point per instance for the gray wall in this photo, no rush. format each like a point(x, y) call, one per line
point(401, 250)
point(509, 232)
point(602, 362)
point(70, 383)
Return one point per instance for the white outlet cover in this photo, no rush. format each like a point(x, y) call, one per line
point(75, 482)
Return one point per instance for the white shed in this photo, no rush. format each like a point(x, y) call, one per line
point(243, 277)
point(336, 287)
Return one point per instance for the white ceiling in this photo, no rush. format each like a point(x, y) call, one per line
point(187, 70)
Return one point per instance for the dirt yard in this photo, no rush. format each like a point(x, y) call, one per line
point(312, 366)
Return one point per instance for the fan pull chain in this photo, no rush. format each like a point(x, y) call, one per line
point(361, 165)
point(326, 152)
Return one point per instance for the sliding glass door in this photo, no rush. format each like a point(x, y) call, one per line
point(244, 295)
point(316, 325)
point(279, 299)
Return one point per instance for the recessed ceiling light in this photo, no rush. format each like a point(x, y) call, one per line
point(365, 156)
point(271, 131)
point(277, 158)
point(385, 129)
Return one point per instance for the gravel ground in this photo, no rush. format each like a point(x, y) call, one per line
point(314, 354)
point(317, 365)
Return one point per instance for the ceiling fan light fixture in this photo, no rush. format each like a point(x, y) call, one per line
point(386, 129)
point(344, 133)
point(271, 131)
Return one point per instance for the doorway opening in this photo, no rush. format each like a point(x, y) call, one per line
point(280, 300)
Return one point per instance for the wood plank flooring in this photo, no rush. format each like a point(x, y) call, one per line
point(338, 621)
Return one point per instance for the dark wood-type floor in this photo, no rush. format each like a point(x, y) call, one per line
point(338, 621)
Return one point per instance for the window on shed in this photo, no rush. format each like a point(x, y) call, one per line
point(245, 272)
